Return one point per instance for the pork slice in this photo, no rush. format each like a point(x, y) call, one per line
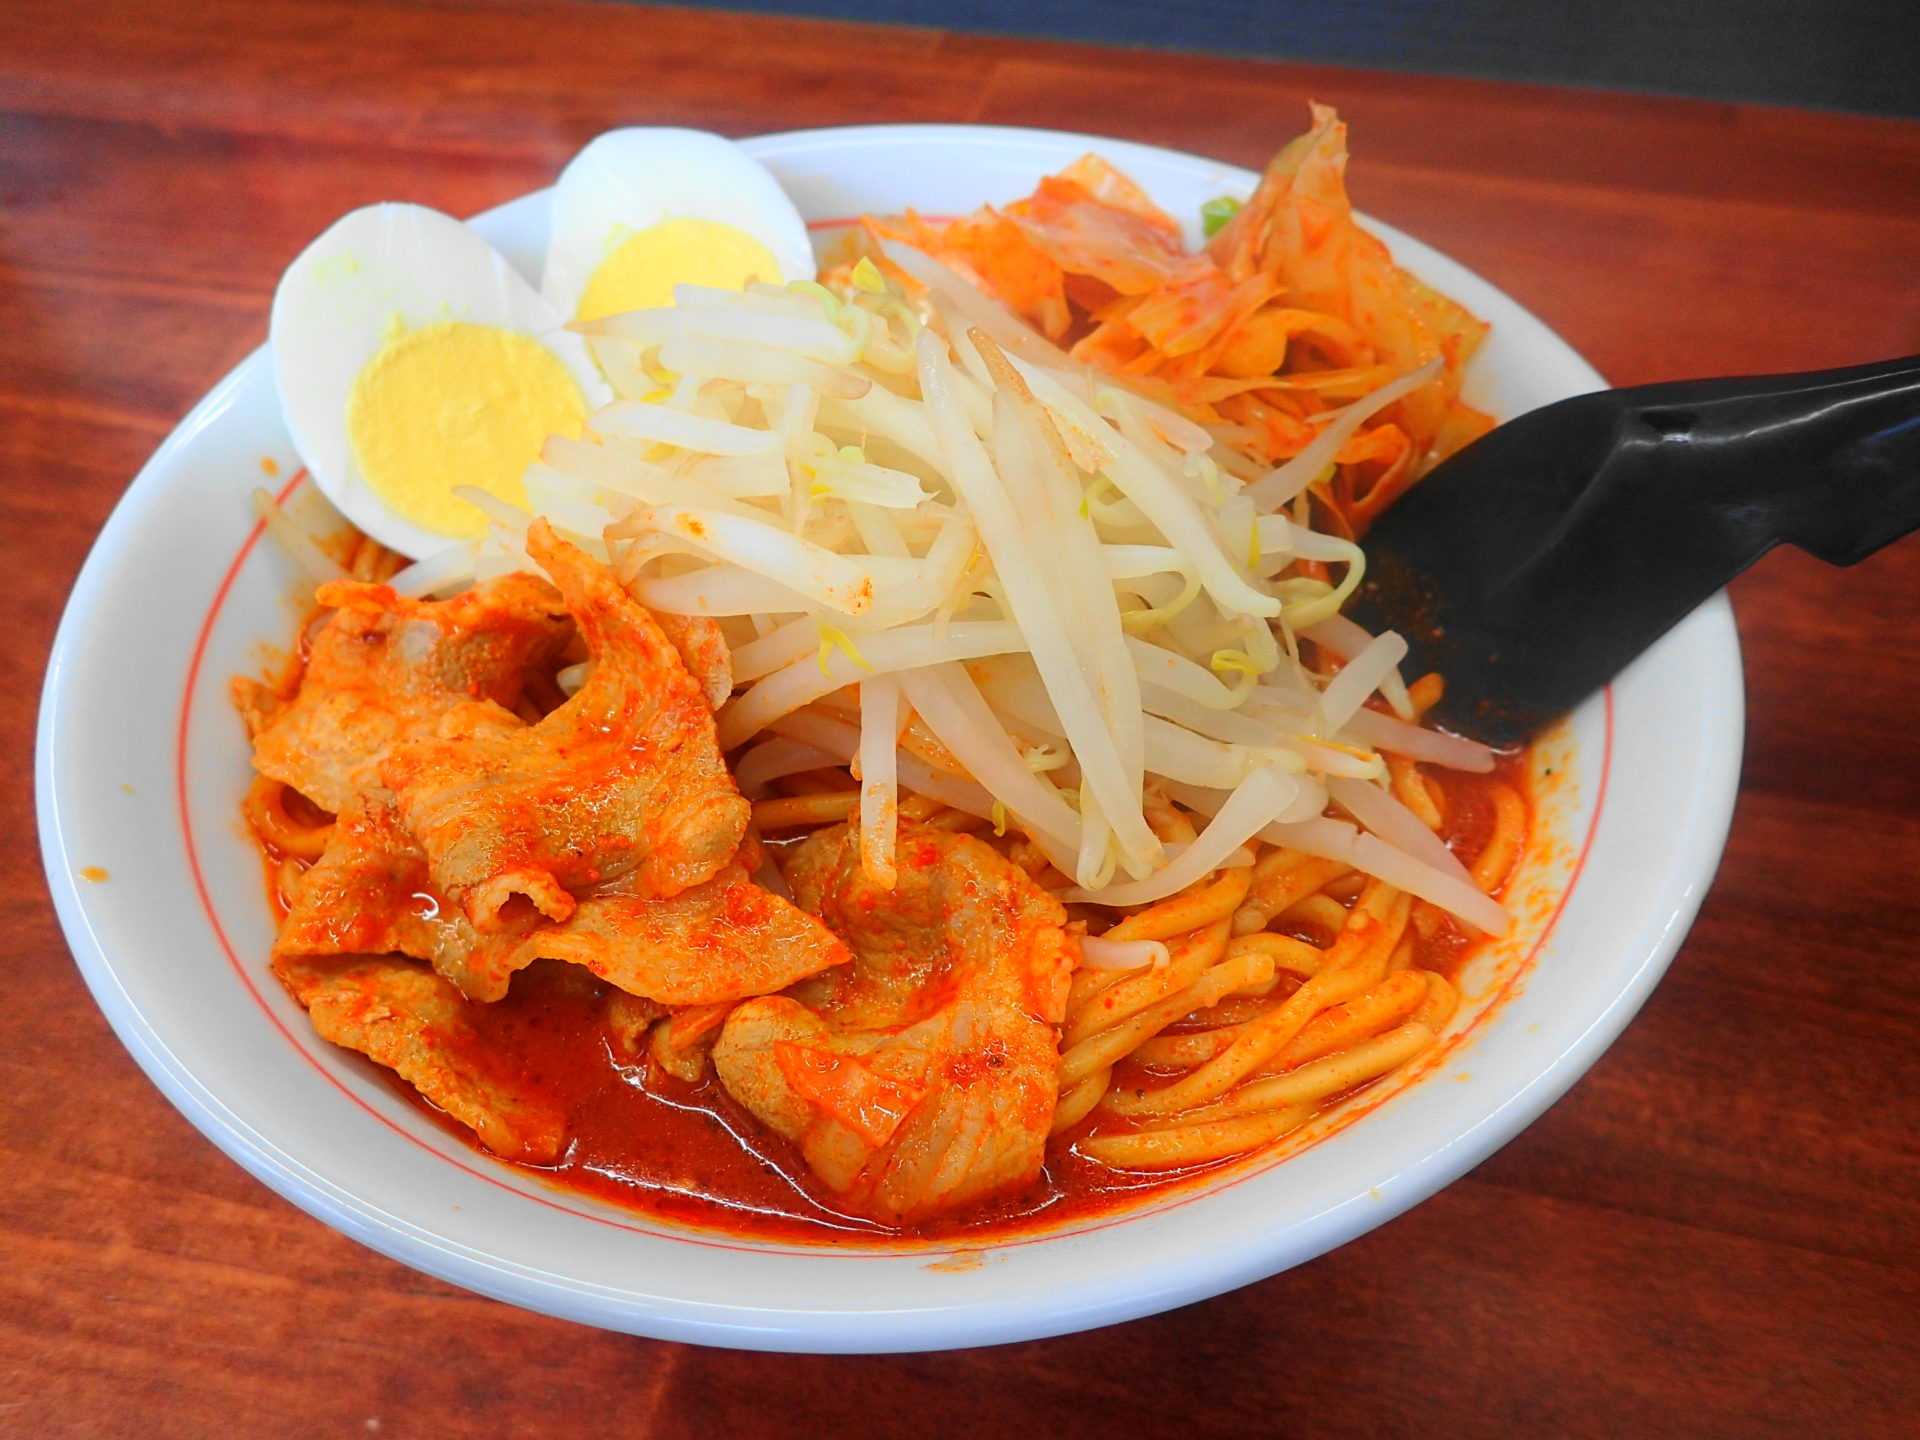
point(399, 1014)
point(922, 1078)
point(385, 669)
point(624, 782)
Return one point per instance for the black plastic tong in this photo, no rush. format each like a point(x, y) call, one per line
point(1533, 566)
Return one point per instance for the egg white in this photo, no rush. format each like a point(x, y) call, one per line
point(338, 303)
point(629, 180)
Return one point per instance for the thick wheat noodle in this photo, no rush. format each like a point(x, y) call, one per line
point(824, 781)
point(1295, 956)
point(1077, 1100)
point(1088, 982)
point(919, 808)
point(1282, 888)
point(1503, 848)
point(1186, 962)
point(1170, 825)
point(1339, 1027)
point(688, 1063)
point(1183, 1052)
point(1271, 868)
point(1402, 958)
point(1189, 910)
point(1345, 888)
point(288, 878)
point(1242, 1006)
point(1332, 990)
point(685, 1027)
point(1425, 693)
point(1276, 860)
point(1101, 1051)
point(1312, 1083)
point(372, 561)
point(916, 739)
point(1373, 928)
point(1179, 1145)
point(1322, 911)
point(1442, 1000)
point(1028, 856)
point(1428, 919)
point(1411, 789)
point(951, 819)
point(266, 810)
point(791, 810)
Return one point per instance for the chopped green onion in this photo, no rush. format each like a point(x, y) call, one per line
point(1217, 212)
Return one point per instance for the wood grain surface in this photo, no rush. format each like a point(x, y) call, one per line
point(1717, 1233)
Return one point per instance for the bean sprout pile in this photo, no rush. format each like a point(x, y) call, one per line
point(945, 553)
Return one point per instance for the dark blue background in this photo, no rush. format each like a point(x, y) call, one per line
point(1842, 55)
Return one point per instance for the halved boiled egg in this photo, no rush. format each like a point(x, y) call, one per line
point(639, 211)
point(413, 358)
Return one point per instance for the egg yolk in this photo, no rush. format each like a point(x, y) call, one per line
point(641, 272)
point(457, 404)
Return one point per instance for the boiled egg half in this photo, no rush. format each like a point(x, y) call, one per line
point(640, 211)
point(412, 358)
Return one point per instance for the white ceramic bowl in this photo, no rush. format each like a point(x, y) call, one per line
point(142, 763)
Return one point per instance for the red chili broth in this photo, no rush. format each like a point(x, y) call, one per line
point(689, 1155)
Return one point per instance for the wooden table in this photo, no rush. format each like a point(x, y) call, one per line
point(1716, 1233)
